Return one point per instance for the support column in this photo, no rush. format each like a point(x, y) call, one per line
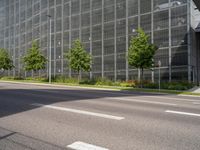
point(102, 46)
point(70, 34)
point(62, 41)
point(139, 20)
point(152, 37)
point(14, 47)
point(90, 34)
point(127, 41)
point(170, 45)
point(54, 48)
point(115, 42)
point(189, 39)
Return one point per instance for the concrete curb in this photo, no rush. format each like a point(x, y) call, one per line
point(59, 85)
point(90, 88)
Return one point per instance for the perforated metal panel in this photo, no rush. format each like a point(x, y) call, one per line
point(105, 28)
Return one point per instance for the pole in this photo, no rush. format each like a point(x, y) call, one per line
point(159, 78)
point(49, 48)
point(159, 65)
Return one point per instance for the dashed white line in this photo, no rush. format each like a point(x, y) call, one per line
point(85, 146)
point(182, 113)
point(173, 98)
point(80, 111)
point(142, 101)
point(195, 103)
point(149, 96)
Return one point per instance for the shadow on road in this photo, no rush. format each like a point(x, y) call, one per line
point(13, 101)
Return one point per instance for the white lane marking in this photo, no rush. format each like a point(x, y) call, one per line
point(141, 101)
point(149, 96)
point(85, 146)
point(189, 95)
point(172, 98)
point(182, 113)
point(195, 103)
point(80, 112)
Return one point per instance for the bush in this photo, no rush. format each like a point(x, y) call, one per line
point(64, 79)
point(88, 81)
point(170, 85)
point(151, 85)
point(42, 79)
point(129, 83)
point(179, 85)
point(106, 82)
point(12, 78)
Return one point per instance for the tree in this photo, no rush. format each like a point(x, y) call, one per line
point(6, 62)
point(141, 52)
point(79, 59)
point(34, 60)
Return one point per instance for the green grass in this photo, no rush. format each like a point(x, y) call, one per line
point(116, 88)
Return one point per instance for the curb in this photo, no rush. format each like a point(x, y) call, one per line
point(92, 88)
point(59, 85)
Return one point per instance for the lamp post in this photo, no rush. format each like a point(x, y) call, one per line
point(90, 39)
point(159, 65)
point(49, 48)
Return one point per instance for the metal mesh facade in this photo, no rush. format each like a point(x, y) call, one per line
point(105, 27)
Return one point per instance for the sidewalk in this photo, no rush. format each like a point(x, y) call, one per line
point(196, 89)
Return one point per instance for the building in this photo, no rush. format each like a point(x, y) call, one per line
point(105, 27)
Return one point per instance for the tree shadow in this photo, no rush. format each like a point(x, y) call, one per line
point(13, 101)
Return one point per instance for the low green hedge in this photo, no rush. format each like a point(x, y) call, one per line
point(106, 82)
point(171, 85)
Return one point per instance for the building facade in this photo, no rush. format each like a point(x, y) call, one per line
point(105, 27)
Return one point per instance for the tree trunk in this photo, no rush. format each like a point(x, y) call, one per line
point(2, 73)
point(34, 74)
point(79, 76)
point(142, 69)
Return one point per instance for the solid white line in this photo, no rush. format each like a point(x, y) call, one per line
point(142, 101)
point(85, 146)
point(182, 113)
point(173, 98)
point(195, 103)
point(148, 96)
point(80, 112)
point(188, 95)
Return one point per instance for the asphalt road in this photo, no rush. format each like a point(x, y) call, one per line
point(47, 118)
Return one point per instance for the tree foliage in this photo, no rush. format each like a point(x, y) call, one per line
point(141, 51)
point(78, 58)
point(34, 60)
point(6, 62)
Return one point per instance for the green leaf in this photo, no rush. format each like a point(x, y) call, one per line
point(141, 51)
point(34, 60)
point(78, 58)
point(6, 62)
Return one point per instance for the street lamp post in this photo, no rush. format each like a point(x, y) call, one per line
point(49, 48)
point(159, 65)
point(90, 39)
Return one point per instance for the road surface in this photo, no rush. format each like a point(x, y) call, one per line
point(40, 117)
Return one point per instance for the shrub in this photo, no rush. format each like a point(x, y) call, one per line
point(151, 85)
point(12, 78)
point(42, 79)
point(106, 82)
point(170, 85)
point(64, 79)
point(88, 81)
point(179, 85)
point(129, 83)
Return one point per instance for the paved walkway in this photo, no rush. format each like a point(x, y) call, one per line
point(195, 90)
